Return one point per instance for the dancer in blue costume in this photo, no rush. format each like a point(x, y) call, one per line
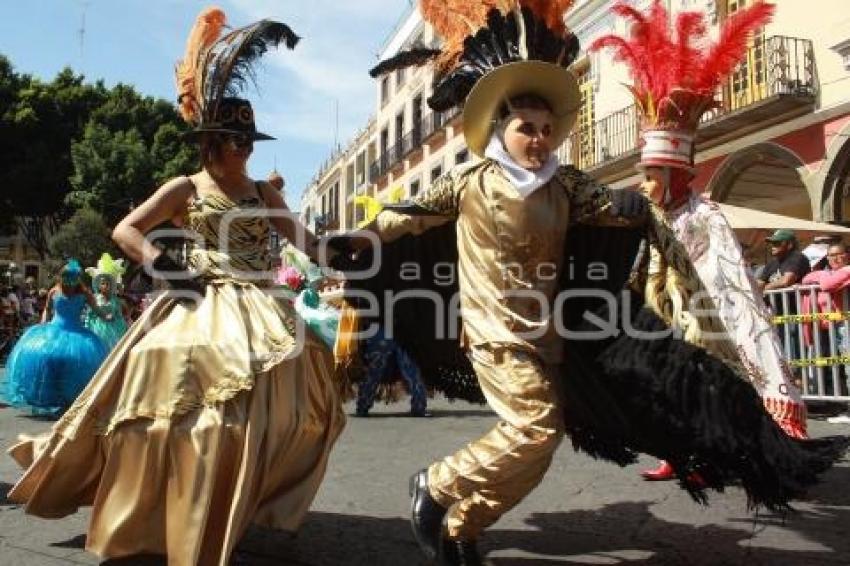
point(111, 324)
point(53, 361)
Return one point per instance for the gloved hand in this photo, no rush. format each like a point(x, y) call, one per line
point(626, 203)
point(342, 243)
point(177, 273)
point(343, 250)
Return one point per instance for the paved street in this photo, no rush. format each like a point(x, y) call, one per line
point(585, 512)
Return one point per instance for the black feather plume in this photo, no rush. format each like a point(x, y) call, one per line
point(230, 62)
point(497, 44)
point(413, 57)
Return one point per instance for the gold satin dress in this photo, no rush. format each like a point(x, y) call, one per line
point(205, 418)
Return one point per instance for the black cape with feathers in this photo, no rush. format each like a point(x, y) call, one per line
point(622, 395)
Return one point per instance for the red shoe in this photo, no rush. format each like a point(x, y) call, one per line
point(663, 472)
point(695, 480)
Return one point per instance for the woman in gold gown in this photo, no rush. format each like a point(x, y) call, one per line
point(214, 411)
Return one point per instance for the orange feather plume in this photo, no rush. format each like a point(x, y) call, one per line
point(454, 20)
point(206, 31)
point(550, 11)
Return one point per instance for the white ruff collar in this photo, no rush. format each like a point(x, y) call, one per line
point(523, 180)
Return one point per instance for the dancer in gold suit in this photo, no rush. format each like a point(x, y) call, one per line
point(215, 412)
point(512, 209)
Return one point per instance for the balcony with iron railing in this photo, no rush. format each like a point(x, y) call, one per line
point(423, 131)
point(776, 82)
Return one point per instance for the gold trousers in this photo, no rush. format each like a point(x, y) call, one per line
point(485, 479)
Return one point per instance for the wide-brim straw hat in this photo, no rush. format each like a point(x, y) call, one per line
point(554, 83)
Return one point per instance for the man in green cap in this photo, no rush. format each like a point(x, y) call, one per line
point(788, 266)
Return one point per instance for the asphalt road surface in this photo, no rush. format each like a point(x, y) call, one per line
point(584, 512)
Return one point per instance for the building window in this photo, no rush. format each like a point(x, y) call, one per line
point(414, 187)
point(399, 78)
point(749, 81)
point(385, 143)
point(436, 172)
point(416, 119)
point(399, 127)
point(333, 209)
point(385, 90)
point(585, 150)
point(360, 168)
point(462, 156)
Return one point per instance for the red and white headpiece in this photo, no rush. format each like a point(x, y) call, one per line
point(676, 74)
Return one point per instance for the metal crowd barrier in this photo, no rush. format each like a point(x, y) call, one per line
point(823, 365)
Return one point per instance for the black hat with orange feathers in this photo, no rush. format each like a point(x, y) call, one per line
point(216, 69)
point(492, 51)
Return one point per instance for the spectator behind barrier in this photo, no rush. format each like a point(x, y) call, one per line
point(786, 269)
point(824, 240)
point(788, 266)
point(832, 280)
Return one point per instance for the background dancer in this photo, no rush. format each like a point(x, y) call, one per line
point(53, 361)
point(384, 360)
point(671, 106)
point(112, 324)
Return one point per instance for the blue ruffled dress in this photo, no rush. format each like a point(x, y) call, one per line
point(52, 363)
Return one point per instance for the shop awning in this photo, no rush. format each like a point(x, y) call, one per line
point(749, 219)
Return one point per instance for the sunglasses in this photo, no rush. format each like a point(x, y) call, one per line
point(238, 141)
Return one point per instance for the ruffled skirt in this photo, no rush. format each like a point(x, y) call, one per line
point(206, 418)
point(50, 365)
point(109, 331)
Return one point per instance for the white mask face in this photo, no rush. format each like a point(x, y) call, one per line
point(527, 135)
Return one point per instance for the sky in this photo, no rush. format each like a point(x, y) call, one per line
point(137, 42)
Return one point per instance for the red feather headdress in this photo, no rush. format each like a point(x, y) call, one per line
point(675, 73)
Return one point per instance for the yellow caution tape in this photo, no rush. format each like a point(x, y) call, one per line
point(828, 316)
point(820, 362)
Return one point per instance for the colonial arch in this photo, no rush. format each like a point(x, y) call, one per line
point(767, 177)
point(834, 179)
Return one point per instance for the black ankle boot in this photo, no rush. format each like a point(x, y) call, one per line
point(457, 552)
point(426, 515)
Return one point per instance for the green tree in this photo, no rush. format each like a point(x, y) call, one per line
point(111, 170)
point(38, 120)
point(131, 145)
point(68, 144)
point(85, 236)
